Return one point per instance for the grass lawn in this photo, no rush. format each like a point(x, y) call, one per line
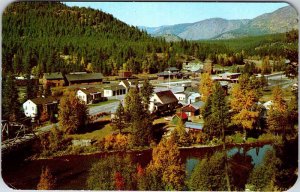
point(98, 134)
point(103, 103)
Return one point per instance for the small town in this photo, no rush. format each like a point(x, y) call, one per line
point(145, 112)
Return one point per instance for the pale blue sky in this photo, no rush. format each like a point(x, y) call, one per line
point(153, 14)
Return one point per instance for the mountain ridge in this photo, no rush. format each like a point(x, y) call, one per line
point(278, 21)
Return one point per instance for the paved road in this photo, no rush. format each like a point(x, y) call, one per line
point(103, 108)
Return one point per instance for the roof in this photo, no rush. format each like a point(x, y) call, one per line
point(90, 90)
point(114, 87)
point(126, 83)
point(166, 97)
point(182, 115)
point(198, 104)
point(192, 125)
point(188, 108)
point(44, 100)
point(171, 69)
point(166, 73)
point(53, 76)
point(84, 76)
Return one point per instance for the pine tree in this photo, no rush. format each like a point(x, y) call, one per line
point(119, 120)
point(146, 92)
point(10, 99)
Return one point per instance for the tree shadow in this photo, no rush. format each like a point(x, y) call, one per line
point(93, 126)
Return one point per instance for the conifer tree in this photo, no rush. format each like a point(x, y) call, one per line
point(10, 99)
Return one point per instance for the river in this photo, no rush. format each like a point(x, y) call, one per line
point(72, 171)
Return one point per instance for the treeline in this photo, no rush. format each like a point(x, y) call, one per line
point(50, 37)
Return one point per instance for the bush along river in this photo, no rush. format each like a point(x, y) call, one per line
point(72, 171)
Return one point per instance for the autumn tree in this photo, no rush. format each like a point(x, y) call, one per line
point(167, 164)
point(47, 180)
point(244, 97)
point(266, 66)
point(205, 87)
point(278, 115)
point(72, 114)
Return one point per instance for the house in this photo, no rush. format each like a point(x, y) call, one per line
point(127, 84)
point(34, 107)
point(114, 90)
point(194, 127)
point(228, 75)
point(84, 78)
point(181, 96)
point(179, 116)
point(168, 74)
point(53, 79)
point(89, 95)
point(163, 101)
point(125, 74)
point(193, 109)
point(187, 97)
point(172, 69)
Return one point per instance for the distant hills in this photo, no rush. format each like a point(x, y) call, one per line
point(279, 21)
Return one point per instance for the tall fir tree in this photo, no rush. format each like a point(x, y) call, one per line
point(10, 99)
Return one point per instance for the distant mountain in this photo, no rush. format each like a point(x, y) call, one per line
point(281, 20)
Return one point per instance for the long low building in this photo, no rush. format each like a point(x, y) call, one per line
point(84, 78)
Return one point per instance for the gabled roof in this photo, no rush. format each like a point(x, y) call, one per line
point(114, 87)
point(191, 125)
point(198, 104)
point(188, 108)
point(126, 83)
point(166, 97)
point(53, 76)
point(84, 77)
point(44, 100)
point(90, 90)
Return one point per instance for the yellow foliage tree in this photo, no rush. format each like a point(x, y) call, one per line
point(205, 87)
point(166, 161)
point(242, 103)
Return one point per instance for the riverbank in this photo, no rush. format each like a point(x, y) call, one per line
point(144, 149)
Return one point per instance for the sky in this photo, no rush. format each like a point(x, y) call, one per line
point(154, 14)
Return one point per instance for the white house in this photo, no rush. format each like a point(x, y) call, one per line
point(187, 97)
point(89, 95)
point(33, 107)
point(163, 101)
point(114, 90)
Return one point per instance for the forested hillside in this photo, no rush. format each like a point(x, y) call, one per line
point(43, 37)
